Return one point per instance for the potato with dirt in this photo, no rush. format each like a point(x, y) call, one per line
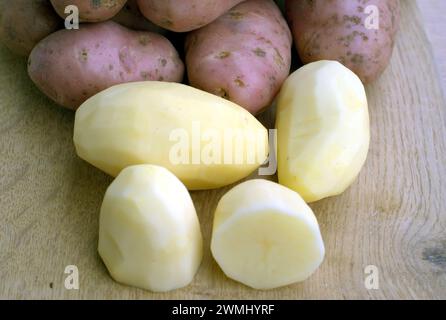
point(183, 16)
point(243, 56)
point(358, 33)
point(90, 10)
point(70, 66)
point(23, 23)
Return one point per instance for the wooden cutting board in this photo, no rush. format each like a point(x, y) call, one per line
point(393, 217)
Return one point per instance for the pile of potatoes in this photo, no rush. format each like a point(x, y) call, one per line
point(144, 76)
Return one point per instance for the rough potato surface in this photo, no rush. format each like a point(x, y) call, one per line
point(90, 10)
point(183, 16)
point(23, 23)
point(70, 66)
point(244, 56)
point(336, 30)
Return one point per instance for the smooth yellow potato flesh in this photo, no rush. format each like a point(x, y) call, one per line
point(265, 236)
point(323, 130)
point(206, 141)
point(149, 234)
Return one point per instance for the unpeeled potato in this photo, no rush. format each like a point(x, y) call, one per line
point(70, 66)
point(23, 23)
point(90, 10)
point(131, 17)
point(184, 16)
point(344, 31)
point(243, 56)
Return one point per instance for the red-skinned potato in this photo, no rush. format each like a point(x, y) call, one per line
point(70, 66)
point(343, 30)
point(90, 10)
point(131, 17)
point(23, 23)
point(243, 56)
point(183, 16)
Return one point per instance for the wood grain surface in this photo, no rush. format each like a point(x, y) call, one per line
point(433, 14)
point(393, 217)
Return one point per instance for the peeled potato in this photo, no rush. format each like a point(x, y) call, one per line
point(206, 141)
point(265, 236)
point(149, 235)
point(323, 130)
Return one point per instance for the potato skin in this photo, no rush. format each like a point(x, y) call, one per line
point(23, 23)
point(243, 56)
point(90, 10)
point(335, 30)
point(70, 66)
point(132, 18)
point(183, 16)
